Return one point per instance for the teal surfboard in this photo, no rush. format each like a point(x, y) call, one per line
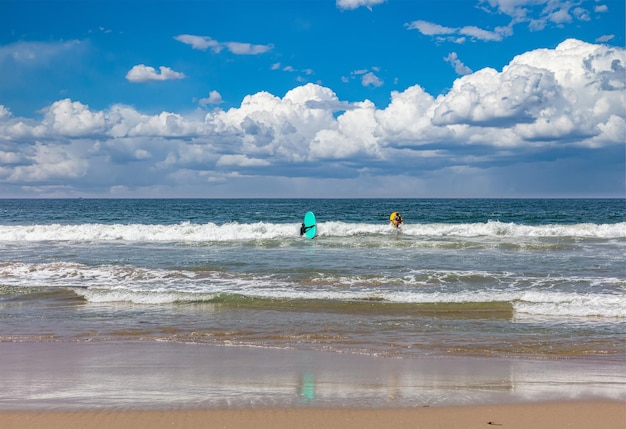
point(309, 225)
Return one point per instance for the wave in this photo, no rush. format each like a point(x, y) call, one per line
point(236, 232)
point(150, 286)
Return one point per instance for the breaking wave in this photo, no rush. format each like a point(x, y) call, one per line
point(232, 232)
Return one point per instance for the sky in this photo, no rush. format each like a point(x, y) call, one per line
point(312, 98)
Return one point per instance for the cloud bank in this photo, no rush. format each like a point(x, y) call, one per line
point(495, 133)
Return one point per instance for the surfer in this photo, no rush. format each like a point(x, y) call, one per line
point(396, 219)
point(304, 229)
point(309, 226)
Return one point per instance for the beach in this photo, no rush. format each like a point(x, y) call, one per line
point(164, 385)
point(216, 313)
point(575, 415)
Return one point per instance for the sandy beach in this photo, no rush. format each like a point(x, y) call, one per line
point(573, 415)
point(164, 385)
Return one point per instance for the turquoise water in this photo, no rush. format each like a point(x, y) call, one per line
point(496, 278)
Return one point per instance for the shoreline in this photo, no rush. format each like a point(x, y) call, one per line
point(135, 385)
point(74, 376)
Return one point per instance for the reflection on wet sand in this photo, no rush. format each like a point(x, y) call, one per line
point(152, 375)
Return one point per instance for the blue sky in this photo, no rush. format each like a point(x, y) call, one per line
point(317, 98)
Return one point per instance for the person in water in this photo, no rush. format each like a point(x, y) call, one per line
point(397, 220)
point(304, 229)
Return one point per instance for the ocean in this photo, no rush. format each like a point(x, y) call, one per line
point(503, 278)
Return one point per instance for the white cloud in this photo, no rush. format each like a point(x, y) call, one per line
point(367, 77)
point(567, 100)
point(36, 53)
point(605, 38)
point(303, 74)
point(266, 125)
point(408, 119)
point(73, 119)
point(142, 73)
point(203, 43)
point(355, 4)
point(458, 35)
point(353, 135)
point(164, 125)
point(429, 28)
point(213, 98)
point(241, 161)
point(458, 65)
point(7, 158)
point(49, 162)
point(239, 48)
point(480, 34)
point(537, 14)
point(5, 113)
point(370, 79)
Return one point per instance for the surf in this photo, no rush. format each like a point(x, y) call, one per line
point(419, 290)
point(234, 231)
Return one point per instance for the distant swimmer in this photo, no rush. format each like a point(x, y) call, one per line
point(395, 219)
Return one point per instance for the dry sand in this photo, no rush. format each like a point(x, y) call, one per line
point(572, 415)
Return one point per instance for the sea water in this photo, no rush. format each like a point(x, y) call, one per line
point(499, 278)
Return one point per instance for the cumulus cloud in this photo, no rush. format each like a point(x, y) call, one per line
point(73, 119)
point(203, 43)
point(545, 104)
point(142, 73)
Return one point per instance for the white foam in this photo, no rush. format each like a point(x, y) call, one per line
point(211, 232)
point(113, 283)
point(560, 304)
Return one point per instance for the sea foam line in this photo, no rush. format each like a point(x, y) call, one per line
point(108, 284)
point(211, 232)
point(547, 304)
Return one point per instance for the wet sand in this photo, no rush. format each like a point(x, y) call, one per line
point(151, 384)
